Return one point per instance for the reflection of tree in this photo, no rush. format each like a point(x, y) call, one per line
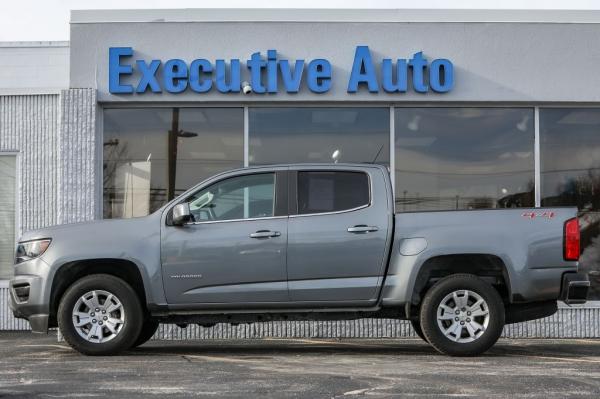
point(583, 191)
point(480, 203)
point(114, 151)
point(519, 200)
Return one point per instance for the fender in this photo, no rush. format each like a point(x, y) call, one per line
point(399, 286)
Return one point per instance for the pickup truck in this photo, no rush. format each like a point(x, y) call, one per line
point(298, 242)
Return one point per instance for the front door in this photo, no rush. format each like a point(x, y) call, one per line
point(234, 251)
point(338, 238)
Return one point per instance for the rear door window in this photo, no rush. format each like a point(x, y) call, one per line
point(331, 191)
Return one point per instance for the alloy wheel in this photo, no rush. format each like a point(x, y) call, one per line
point(98, 316)
point(463, 316)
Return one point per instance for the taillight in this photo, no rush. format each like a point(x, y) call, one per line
point(571, 240)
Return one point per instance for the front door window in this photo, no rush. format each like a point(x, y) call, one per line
point(241, 197)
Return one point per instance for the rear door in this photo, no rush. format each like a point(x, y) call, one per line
point(338, 234)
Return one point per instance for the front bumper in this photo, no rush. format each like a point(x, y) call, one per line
point(28, 294)
point(575, 287)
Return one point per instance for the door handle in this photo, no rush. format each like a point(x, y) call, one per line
point(362, 228)
point(265, 234)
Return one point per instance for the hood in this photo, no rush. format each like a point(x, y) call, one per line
point(87, 229)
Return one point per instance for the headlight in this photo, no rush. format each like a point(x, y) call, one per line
point(28, 250)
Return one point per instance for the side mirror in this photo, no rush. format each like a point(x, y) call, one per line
point(181, 214)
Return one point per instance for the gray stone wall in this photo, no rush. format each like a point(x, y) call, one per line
point(77, 153)
point(29, 126)
point(54, 138)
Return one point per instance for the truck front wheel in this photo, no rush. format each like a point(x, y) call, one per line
point(418, 330)
point(100, 315)
point(148, 330)
point(462, 315)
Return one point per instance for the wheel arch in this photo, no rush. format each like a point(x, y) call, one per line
point(490, 267)
point(72, 271)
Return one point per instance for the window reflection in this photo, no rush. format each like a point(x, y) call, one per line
point(151, 155)
point(463, 158)
point(293, 135)
point(570, 171)
point(240, 197)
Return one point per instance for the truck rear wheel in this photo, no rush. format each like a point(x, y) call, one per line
point(100, 315)
point(462, 315)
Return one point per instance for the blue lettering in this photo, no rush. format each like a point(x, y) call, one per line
point(363, 71)
point(272, 71)
point(388, 76)
point(318, 75)
point(234, 76)
point(291, 80)
point(175, 75)
point(201, 75)
point(418, 64)
point(148, 76)
point(116, 69)
point(197, 68)
point(256, 64)
point(441, 68)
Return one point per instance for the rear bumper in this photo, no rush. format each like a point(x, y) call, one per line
point(574, 289)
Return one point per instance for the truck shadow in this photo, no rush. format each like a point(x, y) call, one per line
point(583, 350)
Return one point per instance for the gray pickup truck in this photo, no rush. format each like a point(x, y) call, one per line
point(298, 242)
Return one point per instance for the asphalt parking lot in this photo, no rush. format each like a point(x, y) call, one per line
point(39, 366)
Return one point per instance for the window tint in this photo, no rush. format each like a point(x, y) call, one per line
point(323, 134)
point(242, 197)
point(151, 155)
point(331, 191)
point(570, 172)
point(463, 158)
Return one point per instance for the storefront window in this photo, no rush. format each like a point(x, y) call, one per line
point(151, 155)
point(570, 171)
point(290, 135)
point(464, 158)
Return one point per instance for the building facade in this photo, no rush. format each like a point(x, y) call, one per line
point(468, 109)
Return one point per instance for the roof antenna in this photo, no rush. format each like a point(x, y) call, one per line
point(377, 155)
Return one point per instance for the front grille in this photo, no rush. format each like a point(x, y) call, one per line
point(21, 292)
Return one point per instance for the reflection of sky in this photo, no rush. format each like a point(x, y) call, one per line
point(470, 152)
point(570, 165)
point(570, 147)
point(143, 135)
point(288, 135)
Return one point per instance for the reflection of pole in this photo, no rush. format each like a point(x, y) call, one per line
point(172, 154)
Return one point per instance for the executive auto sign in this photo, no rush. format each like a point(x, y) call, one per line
point(269, 74)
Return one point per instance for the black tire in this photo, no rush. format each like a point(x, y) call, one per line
point(417, 327)
point(130, 303)
point(148, 329)
point(485, 338)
